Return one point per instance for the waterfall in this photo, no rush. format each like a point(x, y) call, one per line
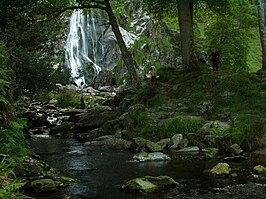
point(91, 45)
point(83, 50)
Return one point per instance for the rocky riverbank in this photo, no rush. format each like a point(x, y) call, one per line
point(108, 124)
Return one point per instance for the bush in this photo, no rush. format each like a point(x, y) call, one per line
point(67, 98)
point(9, 186)
point(136, 120)
point(12, 140)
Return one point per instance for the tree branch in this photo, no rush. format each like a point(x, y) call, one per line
point(92, 6)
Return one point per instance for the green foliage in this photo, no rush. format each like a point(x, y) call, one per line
point(161, 8)
point(230, 32)
point(226, 137)
point(252, 128)
point(135, 121)
point(182, 125)
point(150, 95)
point(230, 93)
point(33, 42)
point(8, 183)
point(255, 54)
point(12, 140)
point(66, 98)
point(5, 89)
point(242, 94)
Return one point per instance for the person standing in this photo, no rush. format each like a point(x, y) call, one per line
point(215, 56)
point(82, 102)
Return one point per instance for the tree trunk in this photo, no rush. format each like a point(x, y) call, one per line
point(261, 17)
point(126, 54)
point(185, 17)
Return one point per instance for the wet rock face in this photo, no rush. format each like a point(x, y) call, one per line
point(93, 119)
point(105, 78)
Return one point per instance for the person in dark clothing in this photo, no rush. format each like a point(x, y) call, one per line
point(215, 56)
point(82, 103)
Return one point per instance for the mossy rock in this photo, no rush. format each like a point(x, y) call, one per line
point(154, 156)
point(162, 181)
point(259, 169)
point(62, 180)
point(153, 147)
point(149, 183)
point(43, 185)
point(221, 169)
point(29, 167)
point(139, 184)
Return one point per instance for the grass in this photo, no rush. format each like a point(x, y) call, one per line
point(182, 125)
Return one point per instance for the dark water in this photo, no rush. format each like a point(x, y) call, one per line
point(102, 171)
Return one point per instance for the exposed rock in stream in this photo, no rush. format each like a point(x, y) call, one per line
point(154, 156)
point(40, 177)
point(221, 170)
point(148, 183)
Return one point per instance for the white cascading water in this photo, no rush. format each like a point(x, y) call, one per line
point(81, 37)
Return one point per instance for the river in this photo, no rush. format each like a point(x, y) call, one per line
point(102, 171)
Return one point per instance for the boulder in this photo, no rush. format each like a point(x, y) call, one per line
point(176, 139)
point(190, 149)
point(148, 183)
point(164, 143)
point(210, 139)
point(104, 137)
point(183, 143)
point(115, 143)
point(205, 129)
point(140, 184)
point(235, 149)
point(139, 143)
point(93, 119)
point(153, 147)
point(154, 156)
point(205, 107)
point(259, 169)
point(210, 153)
point(66, 129)
point(53, 102)
point(43, 186)
point(28, 167)
point(221, 169)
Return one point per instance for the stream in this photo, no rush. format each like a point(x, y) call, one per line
point(103, 171)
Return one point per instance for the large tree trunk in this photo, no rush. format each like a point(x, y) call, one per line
point(126, 54)
point(185, 17)
point(261, 17)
